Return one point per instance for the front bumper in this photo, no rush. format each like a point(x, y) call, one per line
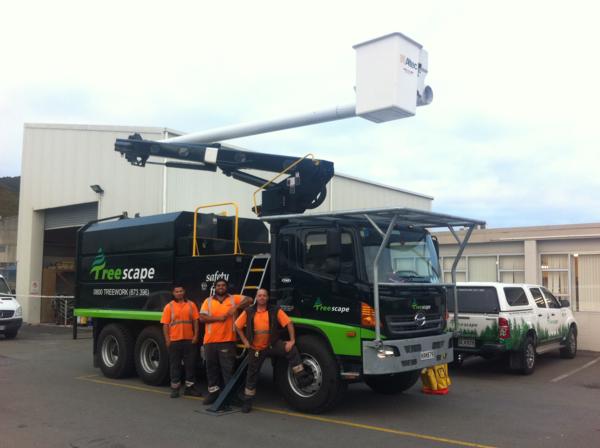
point(9, 325)
point(408, 354)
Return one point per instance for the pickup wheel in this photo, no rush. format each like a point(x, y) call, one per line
point(570, 349)
point(393, 383)
point(327, 388)
point(528, 356)
point(115, 351)
point(152, 356)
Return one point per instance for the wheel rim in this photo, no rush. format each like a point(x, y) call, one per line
point(110, 351)
point(150, 356)
point(315, 368)
point(530, 356)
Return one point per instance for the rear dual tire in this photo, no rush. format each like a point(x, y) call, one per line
point(152, 357)
point(115, 351)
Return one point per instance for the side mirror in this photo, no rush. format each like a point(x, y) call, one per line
point(564, 303)
point(436, 244)
point(13, 291)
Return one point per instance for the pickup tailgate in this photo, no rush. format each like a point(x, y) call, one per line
point(478, 310)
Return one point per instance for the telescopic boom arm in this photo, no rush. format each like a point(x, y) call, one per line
point(304, 188)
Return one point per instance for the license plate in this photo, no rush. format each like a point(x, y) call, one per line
point(430, 354)
point(466, 342)
point(2, 327)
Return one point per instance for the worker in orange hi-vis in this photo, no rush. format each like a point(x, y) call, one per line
point(218, 313)
point(259, 327)
point(181, 331)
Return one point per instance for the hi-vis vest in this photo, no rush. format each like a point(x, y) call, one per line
point(181, 322)
point(208, 305)
point(274, 327)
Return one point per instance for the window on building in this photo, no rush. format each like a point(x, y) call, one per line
point(555, 273)
point(2, 248)
point(483, 269)
point(538, 297)
point(511, 268)
point(461, 269)
point(516, 296)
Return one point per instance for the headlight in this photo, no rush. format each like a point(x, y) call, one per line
point(19, 311)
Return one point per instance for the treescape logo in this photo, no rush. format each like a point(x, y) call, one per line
point(99, 271)
point(318, 306)
point(415, 306)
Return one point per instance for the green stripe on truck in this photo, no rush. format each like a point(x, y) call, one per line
point(336, 333)
point(118, 314)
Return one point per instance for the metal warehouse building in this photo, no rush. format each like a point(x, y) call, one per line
point(60, 163)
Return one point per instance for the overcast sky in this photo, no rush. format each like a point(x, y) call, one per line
point(511, 136)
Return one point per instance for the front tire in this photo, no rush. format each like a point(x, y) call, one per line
point(327, 388)
point(570, 349)
point(115, 351)
point(393, 383)
point(11, 334)
point(152, 357)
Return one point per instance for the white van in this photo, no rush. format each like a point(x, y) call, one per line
point(518, 319)
point(11, 313)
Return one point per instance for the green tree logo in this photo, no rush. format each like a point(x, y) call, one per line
point(98, 264)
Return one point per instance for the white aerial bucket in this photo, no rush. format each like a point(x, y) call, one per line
point(390, 78)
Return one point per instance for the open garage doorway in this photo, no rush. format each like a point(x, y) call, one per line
point(58, 261)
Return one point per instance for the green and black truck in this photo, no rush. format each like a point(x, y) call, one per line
point(363, 287)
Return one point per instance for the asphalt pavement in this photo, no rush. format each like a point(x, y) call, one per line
point(51, 396)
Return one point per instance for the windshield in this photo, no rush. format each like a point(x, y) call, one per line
point(4, 289)
point(409, 256)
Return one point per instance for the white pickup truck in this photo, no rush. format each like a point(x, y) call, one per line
point(11, 314)
point(518, 319)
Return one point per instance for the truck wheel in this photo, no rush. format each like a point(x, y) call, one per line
point(152, 357)
point(570, 349)
point(115, 350)
point(327, 388)
point(528, 357)
point(393, 383)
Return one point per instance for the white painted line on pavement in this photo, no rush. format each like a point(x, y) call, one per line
point(572, 372)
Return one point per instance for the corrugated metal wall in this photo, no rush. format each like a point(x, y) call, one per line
point(60, 163)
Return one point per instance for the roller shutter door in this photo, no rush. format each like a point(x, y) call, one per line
point(70, 216)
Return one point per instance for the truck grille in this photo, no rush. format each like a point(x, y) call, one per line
point(408, 326)
point(6, 314)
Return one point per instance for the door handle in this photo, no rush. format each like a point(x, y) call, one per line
point(540, 315)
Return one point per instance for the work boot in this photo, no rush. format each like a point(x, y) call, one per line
point(304, 378)
point(210, 398)
point(174, 392)
point(192, 392)
point(247, 405)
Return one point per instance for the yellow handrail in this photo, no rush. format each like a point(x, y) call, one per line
point(236, 242)
point(309, 155)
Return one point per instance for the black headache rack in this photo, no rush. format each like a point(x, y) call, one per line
point(383, 221)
